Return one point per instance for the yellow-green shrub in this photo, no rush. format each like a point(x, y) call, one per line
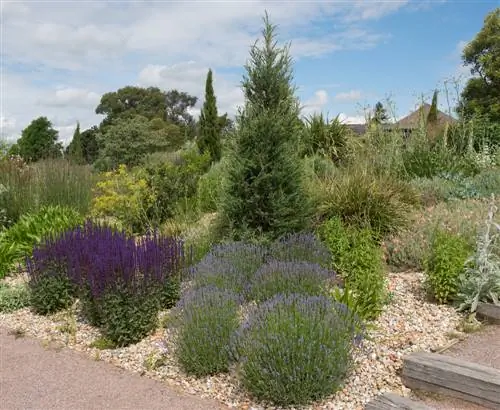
point(124, 196)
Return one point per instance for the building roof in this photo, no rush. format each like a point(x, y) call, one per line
point(414, 120)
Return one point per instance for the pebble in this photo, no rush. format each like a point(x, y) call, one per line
point(409, 323)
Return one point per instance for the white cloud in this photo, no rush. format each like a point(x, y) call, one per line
point(349, 96)
point(316, 103)
point(75, 97)
point(351, 119)
point(89, 45)
point(190, 77)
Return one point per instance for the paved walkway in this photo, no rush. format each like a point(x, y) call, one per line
point(34, 377)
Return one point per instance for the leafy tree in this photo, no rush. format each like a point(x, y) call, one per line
point(380, 114)
point(128, 141)
point(264, 194)
point(90, 146)
point(210, 124)
point(130, 101)
point(75, 149)
point(481, 95)
point(177, 104)
point(39, 141)
point(432, 117)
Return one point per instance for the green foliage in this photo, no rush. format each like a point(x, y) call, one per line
point(174, 185)
point(408, 248)
point(13, 297)
point(295, 350)
point(327, 138)
point(124, 196)
point(51, 293)
point(264, 194)
point(208, 318)
point(444, 264)
point(128, 141)
point(27, 188)
point(75, 148)
point(127, 316)
point(17, 242)
point(359, 260)
point(363, 198)
point(210, 188)
point(480, 282)
point(209, 124)
point(39, 141)
point(132, 101)
point(481, 93)
point(379, 114)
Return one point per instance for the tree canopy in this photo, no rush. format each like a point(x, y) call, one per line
point(39, 141)
point(481, 95)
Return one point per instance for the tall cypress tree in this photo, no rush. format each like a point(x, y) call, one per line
point(264, 192)
point(432, 117)
point(75, 149)
point(209, 138)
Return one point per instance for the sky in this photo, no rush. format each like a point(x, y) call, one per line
point(59, 57)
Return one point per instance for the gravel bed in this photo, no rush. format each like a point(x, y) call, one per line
point(408, 324)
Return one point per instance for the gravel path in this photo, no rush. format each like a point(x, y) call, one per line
point(408, 324)
point(34, 377)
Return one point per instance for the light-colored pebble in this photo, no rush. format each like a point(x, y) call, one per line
point(409, 323)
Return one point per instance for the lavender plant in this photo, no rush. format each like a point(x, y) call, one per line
point(295, 349)
point(303, 247)
point(208, 318)
point(480, 281)
point(287, 278)
point(229, 266)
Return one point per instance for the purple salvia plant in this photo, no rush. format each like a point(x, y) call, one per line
point(100, 257)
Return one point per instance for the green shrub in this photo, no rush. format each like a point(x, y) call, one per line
point(174, 184)
point(208, 318)
point(51, 293)
point(128, 315)
point(359, 260)
point(295, 349)
point(210, 188)
point(444, 264)
point(13, 297)
point(17, 242)
point(123, 195)
point(364, 199)
point(407, 249)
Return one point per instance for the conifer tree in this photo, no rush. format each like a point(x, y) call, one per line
point(209, 138)
point(75, 149)
point(432, 117)
point(264, 191)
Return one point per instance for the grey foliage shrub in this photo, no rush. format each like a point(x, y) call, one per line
point(208, 318)
point(295, 349)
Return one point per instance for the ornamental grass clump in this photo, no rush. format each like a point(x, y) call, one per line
point(288, 278)
point(208, 319)
point(303, 247)
point(229, 266)
point(295, 349)
point(121, 282)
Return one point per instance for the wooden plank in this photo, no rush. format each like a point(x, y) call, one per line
point(390, 401)
point(452, 377)
point(489, 312)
